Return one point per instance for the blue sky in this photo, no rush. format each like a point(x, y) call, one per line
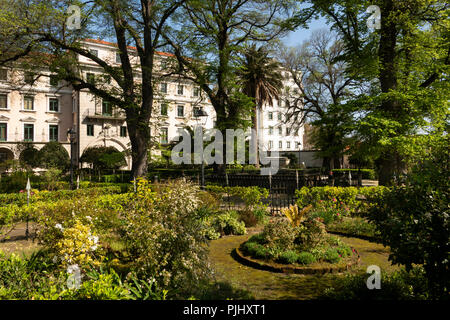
point(297, 37)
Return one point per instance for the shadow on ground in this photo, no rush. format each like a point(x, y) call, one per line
point(278, 286)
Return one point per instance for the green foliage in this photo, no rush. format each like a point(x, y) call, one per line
point(343, 200)
point(51, 177)
point(103, 157)
point(356, 226)
point(288, 257)
point(54, 155)
point(306, 258)
point(23, 278)
point(228, 223)
point(365, 173)
point(14, 182)
point(332, 255)
point(280, 233)
point(252, 196)
point(141, 289)
point(400, 285)
point(164, 236)
point(52, 196)
point(414, 220)
point(29, 155)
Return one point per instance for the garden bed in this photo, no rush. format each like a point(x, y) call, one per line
point(314, 268)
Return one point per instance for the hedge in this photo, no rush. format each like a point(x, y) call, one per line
point(366, 173)
point(20, 199)
point(358, 200)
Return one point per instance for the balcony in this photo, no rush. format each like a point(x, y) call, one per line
point(109, 114)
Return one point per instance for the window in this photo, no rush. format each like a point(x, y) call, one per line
point(3, 101)
point(123, 131)
point(54, 81)
point(180, 90)
point(3, 132)
point(90, 130)
point(197, 111)
point(270, 144)
point(3, 75)
point(28, 103)
point(53, 132)
point(163, 65)
point(288, 131)
point(270, 115)
point(28, 132)
point(90, 78)
point(53, 105)
point(94, 52)
point(164, 87)
point(107, 108)
point(271, 130)
point(180, 111)
point(279, 115)
point(118, 59)
point(164, 135)
point(280, 131)
point(288, 145)
point(280, 144)
point(29, 78)
point(196, 92)
point(164, 109)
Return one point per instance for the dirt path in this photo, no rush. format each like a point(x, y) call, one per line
point(277, 286)
point(16, 242)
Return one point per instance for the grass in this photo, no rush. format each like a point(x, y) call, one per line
point(278, 286)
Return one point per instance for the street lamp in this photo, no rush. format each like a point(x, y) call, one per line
point(72, 137)
point(202, 116)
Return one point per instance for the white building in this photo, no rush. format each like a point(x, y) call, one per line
point(276, 132)
point(46, 110)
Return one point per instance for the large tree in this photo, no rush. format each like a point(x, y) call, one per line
point(261, 79)
point(212, 35)
point(406, 62)
point(39, 29)
point(322, 91)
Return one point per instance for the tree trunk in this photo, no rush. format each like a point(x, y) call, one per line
point(388, 81)
point(387, 164)
point(140, 141)
point(255, 135)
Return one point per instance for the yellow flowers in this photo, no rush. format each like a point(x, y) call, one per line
point(295, 216)
point(77, 245)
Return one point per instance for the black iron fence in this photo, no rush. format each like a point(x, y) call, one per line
point(281, 186)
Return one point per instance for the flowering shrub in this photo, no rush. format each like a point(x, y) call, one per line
point(164, 236)
point(77, 245)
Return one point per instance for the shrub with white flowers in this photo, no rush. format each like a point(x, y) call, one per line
point(164, 235)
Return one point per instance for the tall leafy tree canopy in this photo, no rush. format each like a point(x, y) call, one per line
point(406, 63)
point(35, 35)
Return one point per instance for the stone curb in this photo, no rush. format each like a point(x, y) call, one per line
point(257, 264)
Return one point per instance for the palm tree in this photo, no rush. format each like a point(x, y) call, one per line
point(261, 79)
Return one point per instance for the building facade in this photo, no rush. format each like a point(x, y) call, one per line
point(38, 110)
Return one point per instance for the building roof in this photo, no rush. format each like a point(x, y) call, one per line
point(167, 54)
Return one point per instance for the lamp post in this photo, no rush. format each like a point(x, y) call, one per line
point(200, 113)
point(72, 138)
